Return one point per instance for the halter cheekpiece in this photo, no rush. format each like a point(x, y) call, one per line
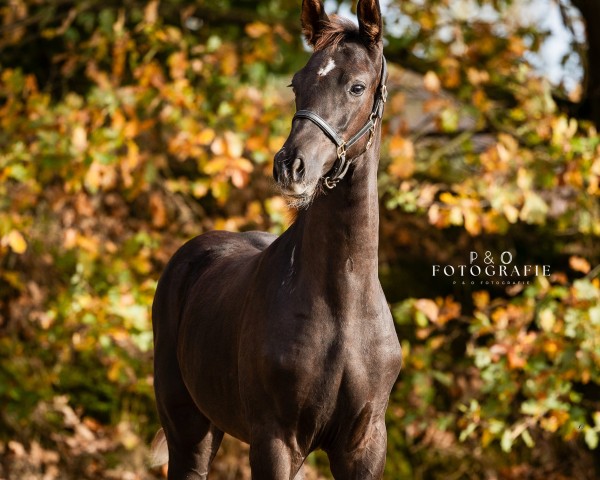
point(340, 168)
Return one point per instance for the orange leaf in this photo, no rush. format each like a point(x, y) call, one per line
point(579, 264)
point(428, 307)
point(402, 152)
point(257, 29)
point(432, 82)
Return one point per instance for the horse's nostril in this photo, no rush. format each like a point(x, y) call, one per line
point(297, 170)
point(277, 164)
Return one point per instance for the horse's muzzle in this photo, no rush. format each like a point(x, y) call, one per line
point(288, 170)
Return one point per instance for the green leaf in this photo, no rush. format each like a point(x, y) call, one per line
point(591, 437)
point(467, 432)
point(506, 441)
point(585, 290)
point(594, 313)
point(527, 438)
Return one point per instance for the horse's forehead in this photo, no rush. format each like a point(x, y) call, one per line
point(326, 67)
point(342, 57)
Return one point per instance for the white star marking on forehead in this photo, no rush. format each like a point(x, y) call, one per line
point(327, 68)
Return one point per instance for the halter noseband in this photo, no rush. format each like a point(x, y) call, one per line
point(340, 168)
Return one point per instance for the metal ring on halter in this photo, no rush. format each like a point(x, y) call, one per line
point(330, 184)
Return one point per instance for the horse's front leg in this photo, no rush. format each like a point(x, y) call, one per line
point(362, 460)
point(275, 457)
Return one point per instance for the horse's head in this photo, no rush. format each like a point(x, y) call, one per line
point(339, 91)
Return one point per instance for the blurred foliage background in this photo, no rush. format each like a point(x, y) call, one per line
point(130, 126)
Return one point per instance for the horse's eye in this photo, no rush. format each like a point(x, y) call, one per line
point(357, 89)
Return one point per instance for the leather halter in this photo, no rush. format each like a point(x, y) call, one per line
point(340, 168)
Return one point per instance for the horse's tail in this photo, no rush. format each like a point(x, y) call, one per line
point(159, 453)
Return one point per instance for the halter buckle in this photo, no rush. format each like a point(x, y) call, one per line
point(341, 150)
point(371, 135)
point(384, 93)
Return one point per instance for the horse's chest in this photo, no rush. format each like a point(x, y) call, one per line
point(318, 365)
point(322, 384)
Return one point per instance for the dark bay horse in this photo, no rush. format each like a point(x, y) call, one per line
point(288, 343)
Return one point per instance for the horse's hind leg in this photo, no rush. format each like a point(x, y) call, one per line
point(192, 439)
point(190, 456)
point(192, 442)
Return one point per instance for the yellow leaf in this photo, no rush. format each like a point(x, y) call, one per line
point(547, 319)
point(242, 164)
point(16, 242)
point(448, 198)
point(229, 62)
point(218, 146)
point(472, 223)
point(481, 299)
point(551, 348)
point(114, 372)
point(486, 438)
point(79, 139)
point(151, 12)
point(456, 216)
point(511, 213)
point(238, 179)
point(534, 209)
point(235, 146)
point(585, 375)
point(431, 82)
point(257, 29)
point(550, 423)
point(524, 179)
point(199, 189)
point(217, 164)
point(206, 136)
point(158, 210)
point(477, 77)
point(178, 64)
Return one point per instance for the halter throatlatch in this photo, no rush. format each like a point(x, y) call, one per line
point(340, 168)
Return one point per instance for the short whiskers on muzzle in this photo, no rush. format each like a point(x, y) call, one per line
point(300, 201)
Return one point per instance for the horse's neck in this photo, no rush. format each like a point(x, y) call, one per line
point(337, 237)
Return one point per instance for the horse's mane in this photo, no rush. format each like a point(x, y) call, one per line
point(335, 30)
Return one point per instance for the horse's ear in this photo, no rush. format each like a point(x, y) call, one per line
point(370, 23)
point(313, 20)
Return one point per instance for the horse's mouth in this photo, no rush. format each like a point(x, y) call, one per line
point(297, 195)
point(295, 190)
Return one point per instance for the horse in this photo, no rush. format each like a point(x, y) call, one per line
point(287, 343)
